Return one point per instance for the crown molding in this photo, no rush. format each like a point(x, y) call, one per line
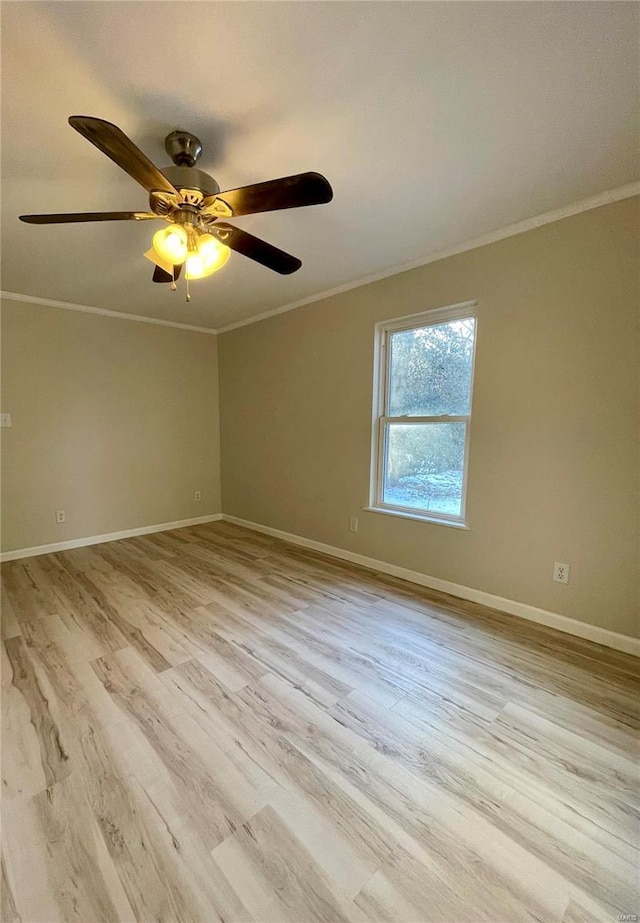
point(529, 224)
point(105, 312)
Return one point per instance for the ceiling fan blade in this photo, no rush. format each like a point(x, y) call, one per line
point(288, 192)
point(114, 143)
point(87, 216)
point(254, 248)
point(159, 274)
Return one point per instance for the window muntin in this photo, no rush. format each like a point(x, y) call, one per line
point(425, 378)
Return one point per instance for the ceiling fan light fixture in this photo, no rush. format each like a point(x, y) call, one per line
point(171, 244)
point(209, 256)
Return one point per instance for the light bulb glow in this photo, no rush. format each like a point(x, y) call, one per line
point(210, 256)
point(195, 268)
point(170, 243)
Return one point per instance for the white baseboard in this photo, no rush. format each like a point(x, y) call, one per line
point(523, 610)
point(105, 537)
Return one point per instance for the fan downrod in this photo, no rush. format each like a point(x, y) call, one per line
point(183, 148)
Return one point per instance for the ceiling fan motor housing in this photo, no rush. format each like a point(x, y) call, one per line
point(194, 186)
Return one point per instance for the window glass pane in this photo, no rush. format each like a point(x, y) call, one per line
point(424, 466)
point(430, 370)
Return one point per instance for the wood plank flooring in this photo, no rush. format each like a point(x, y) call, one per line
point(212, 725)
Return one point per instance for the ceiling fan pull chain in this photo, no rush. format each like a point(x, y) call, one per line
point(188, 298)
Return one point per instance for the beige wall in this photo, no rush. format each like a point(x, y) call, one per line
point(554, 459)
point(115, 422)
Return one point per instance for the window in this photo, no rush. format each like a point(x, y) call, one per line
point(422, 413)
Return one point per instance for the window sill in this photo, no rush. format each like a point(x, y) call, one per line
point(420, 517)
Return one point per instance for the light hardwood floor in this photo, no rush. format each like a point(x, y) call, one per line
point(212, 725)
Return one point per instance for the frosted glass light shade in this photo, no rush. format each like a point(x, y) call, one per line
point(210, 256)
point(171, 244)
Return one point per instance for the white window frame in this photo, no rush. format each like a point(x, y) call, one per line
point(381, 419)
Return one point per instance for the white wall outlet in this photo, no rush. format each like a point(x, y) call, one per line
point(5, 419)
point(61, 516)
point(353, 524)
point(561, 572)
point(198, 495)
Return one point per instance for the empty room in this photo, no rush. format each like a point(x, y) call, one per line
point(320, 454)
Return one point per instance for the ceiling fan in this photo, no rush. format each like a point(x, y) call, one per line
point(191, 202)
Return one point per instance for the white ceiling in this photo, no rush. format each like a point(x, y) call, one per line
point(434, 122)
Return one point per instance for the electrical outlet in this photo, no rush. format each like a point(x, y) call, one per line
point(353, 524)
point(198, 495)
point(61, 516)
point(561, 572)
point(5, 419)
